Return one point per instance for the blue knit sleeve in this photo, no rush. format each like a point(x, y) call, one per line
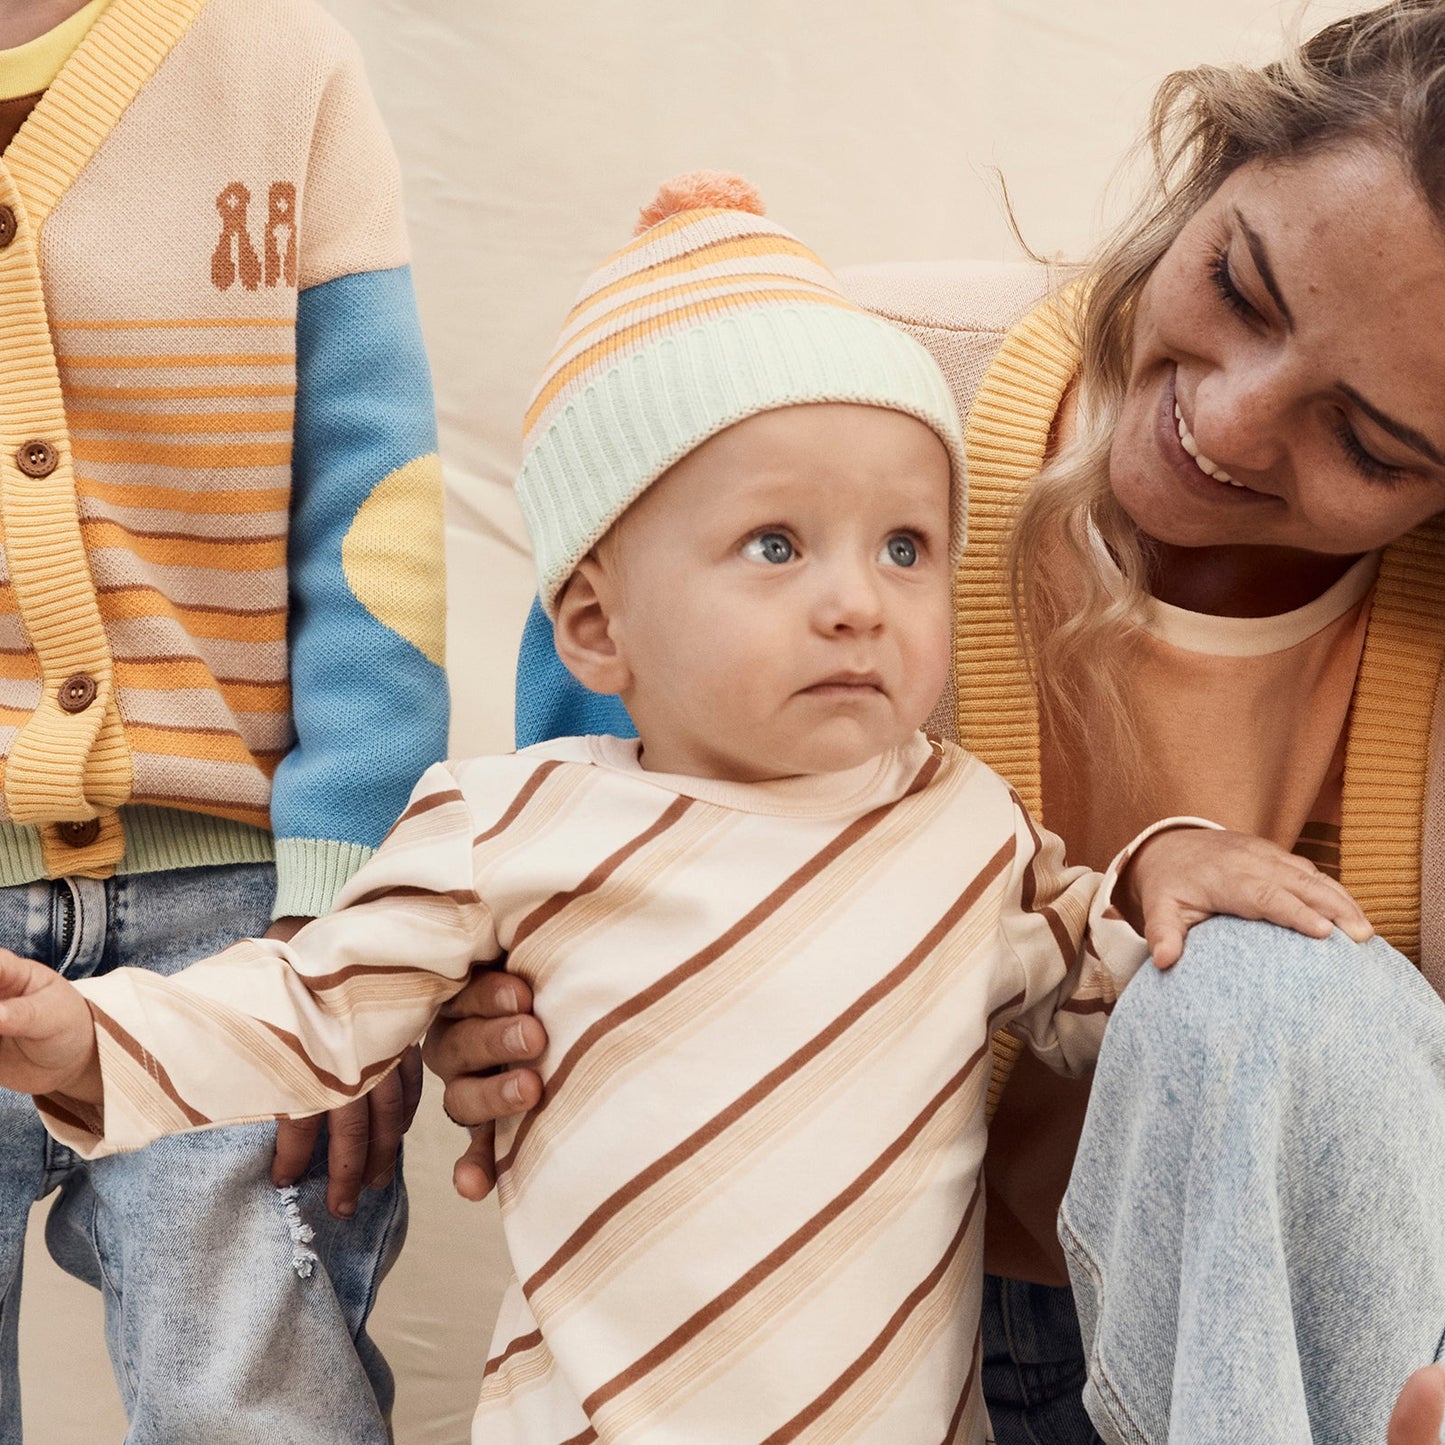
point(551, 703)
point(367, 584)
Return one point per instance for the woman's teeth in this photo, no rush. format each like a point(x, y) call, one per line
point(1186, 440)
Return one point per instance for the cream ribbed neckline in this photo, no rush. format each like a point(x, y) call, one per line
point(880, 780)
point(1211, 636)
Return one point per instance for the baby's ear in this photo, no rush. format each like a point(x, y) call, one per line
point(583, 629)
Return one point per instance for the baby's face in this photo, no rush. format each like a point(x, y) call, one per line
point(782, 595)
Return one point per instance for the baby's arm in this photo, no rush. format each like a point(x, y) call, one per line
point(1080, 936)
point(270, 1028)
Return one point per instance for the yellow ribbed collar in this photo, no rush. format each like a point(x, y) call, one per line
point(1387, 754)
point(104, 73)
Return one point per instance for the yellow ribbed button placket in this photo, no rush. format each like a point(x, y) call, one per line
point(47, 774)
point(63, 766)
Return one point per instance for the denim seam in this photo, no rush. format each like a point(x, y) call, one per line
point(1098, 1370)
point(115, 1299)
point(373, 1285)
point(1021, 1381)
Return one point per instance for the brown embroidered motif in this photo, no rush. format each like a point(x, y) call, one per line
point(281, 217)
point(233, 204)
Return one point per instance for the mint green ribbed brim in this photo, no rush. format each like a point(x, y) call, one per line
point(625, 428)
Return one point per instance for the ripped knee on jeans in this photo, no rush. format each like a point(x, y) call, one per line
point(303, 1257)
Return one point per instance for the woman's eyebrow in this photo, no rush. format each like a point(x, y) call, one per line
point(1416, 441)
point(1261, 264)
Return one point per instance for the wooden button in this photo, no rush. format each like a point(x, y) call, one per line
point(76, 693)
point(7, 226)
point(37, 459)
point(79, 835)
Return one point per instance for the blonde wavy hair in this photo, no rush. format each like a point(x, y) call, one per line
point(1374, 78)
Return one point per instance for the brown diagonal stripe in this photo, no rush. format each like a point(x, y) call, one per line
point(147, 1061)
point(525, 796)
point(425, 805)
point(52, 1102)
point(1088, 1006)
point(818, 1407)
point(409, 890)
point(332, 1081)
point(708, 955)
point(547, 910)
point(325, 982)
point(803, 1235)
point(518, 1346)
point(1028, 896)
point(639, 1184)
point(968, 1384)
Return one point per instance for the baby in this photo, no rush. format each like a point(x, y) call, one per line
point(770, 939)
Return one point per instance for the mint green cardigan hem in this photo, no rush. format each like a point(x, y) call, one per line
point(310, 872)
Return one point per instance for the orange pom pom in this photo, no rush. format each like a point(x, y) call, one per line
point(700, 190)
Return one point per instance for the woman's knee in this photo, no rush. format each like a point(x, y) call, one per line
point(1323, 998)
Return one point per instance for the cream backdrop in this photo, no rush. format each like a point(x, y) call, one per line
point(529, 134)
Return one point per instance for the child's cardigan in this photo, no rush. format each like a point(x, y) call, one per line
point(221, 597)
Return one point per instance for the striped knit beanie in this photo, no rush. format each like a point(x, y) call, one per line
point(712, 314)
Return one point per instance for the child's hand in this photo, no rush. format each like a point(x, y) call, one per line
point(47, 1037)
point(1183, 876)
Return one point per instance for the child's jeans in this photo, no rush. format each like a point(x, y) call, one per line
point(1256, 1220)
point(217, 1331)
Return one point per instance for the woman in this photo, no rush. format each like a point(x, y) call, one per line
point(1213, 471)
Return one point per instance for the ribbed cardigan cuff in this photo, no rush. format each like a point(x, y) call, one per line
point(310, 872)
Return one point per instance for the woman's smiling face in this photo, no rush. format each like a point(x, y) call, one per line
point(1287, 382)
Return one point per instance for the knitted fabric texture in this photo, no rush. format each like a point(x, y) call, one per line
point(213, 626)
point(710, 316)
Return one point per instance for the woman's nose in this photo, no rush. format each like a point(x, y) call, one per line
point(1240, 417)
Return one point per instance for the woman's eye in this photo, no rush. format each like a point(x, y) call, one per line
point(771, 547)
point(1366, 463)
point(900, 550)
point(1229, 293)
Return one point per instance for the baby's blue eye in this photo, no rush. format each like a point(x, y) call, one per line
point(900, 550)
point(769, 547)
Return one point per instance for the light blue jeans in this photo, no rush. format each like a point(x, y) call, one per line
point(215, 1335)
point(1256, 1220)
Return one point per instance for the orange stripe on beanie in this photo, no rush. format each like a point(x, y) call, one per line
point(711, 314)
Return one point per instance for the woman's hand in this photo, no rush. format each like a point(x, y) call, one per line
point(363, 1137)
point(1183, 876)
point(472, 1045)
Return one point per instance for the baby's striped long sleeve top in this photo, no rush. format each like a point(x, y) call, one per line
point(749, 1207)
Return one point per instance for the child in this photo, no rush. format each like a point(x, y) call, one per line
point(220, 656)
point(770, 941)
